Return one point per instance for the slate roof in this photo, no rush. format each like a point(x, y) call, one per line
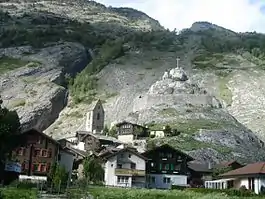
point(100, 137)
point(250, 169)
point(189, 158)
point(199, 167)
point(226, 164)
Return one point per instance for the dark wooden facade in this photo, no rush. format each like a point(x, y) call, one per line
point(167, 160)
point(38, 154)
point(127, 128)
point(94, 142)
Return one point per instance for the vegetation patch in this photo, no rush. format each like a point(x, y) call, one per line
point(190, 126)
point(120, 193)
point(17, 103)
point(168, 112)
point(187, 143)
point(15, 193)
point(224, 92)
point(8, 64)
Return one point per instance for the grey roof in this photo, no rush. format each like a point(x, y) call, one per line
point(92, 105)
point(100, 137)
point(199, 167)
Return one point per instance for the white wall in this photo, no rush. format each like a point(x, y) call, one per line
point(110, 166)
point(158, 134)
point(80, 146)
point(125, 138)
point(66, 161)
point(112, 180)
point(174, 180)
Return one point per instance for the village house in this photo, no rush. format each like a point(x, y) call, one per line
point(127, 132)
point(166, 166)
point(251, 177)
point(38, 154)
point(124, 168)
point(93, 142)
point(229, 164)
point(199, 173)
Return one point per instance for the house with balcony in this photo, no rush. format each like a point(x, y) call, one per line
point(166, 166)
point(124, 168)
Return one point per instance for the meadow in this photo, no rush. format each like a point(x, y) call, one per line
point(122, 193)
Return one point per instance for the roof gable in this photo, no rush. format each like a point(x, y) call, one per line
point(250, 169)
point(34, 131)
point(167, 146)
point(94, 104)
point(126, 150)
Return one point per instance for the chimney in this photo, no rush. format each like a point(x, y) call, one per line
point(209, 165)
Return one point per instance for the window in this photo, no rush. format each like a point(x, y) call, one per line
point(172, 167)
point(98, 116)
point(129, 155)
point(153, 179)
point(44, 153)
point(36, 152)
point(169, 155)
point(166, 166)
point(119, 166)
point(177, 167)
point(166, 180)
point(251, 184)
point(133, 166)
point(43, 168)
point(49, 153)
point(152, 164)
point(123, 179)
point(21, 151)
point(160, 166)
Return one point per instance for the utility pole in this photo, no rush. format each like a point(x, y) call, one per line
point(178, 59)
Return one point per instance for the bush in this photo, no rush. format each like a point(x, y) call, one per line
point(13, 193)
point(23, 185)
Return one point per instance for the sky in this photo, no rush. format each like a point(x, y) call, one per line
point(237, 15)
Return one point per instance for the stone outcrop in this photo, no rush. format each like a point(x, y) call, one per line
point(35, 89)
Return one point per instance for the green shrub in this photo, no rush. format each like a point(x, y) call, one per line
point(14, 193)
point(23, 185)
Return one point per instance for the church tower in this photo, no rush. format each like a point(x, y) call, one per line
point(95, 118)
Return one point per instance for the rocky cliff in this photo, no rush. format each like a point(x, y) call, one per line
point(47, 75)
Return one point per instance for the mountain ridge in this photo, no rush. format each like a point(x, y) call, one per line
point(91, 52)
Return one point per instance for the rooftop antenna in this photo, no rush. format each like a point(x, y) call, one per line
point(178, 59)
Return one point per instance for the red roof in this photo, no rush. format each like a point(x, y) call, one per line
point(250, 169)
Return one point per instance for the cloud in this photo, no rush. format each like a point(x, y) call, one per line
point(237, 15)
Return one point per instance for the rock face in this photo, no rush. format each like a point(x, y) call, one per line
point(35, 88)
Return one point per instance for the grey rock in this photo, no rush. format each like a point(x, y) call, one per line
point(36, 92)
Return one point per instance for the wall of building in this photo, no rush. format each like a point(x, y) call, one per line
point(66, 160)
point(112, 180)
point(110, 166)
point(160, 184)
point(95, 119)
point(126, 138)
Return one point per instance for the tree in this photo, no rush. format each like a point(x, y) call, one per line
point(93, 171)
point(167, 130)
point(106, 130)
point(113, 132)
point(219, 171)
point(10, 136)
point(58, 177)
